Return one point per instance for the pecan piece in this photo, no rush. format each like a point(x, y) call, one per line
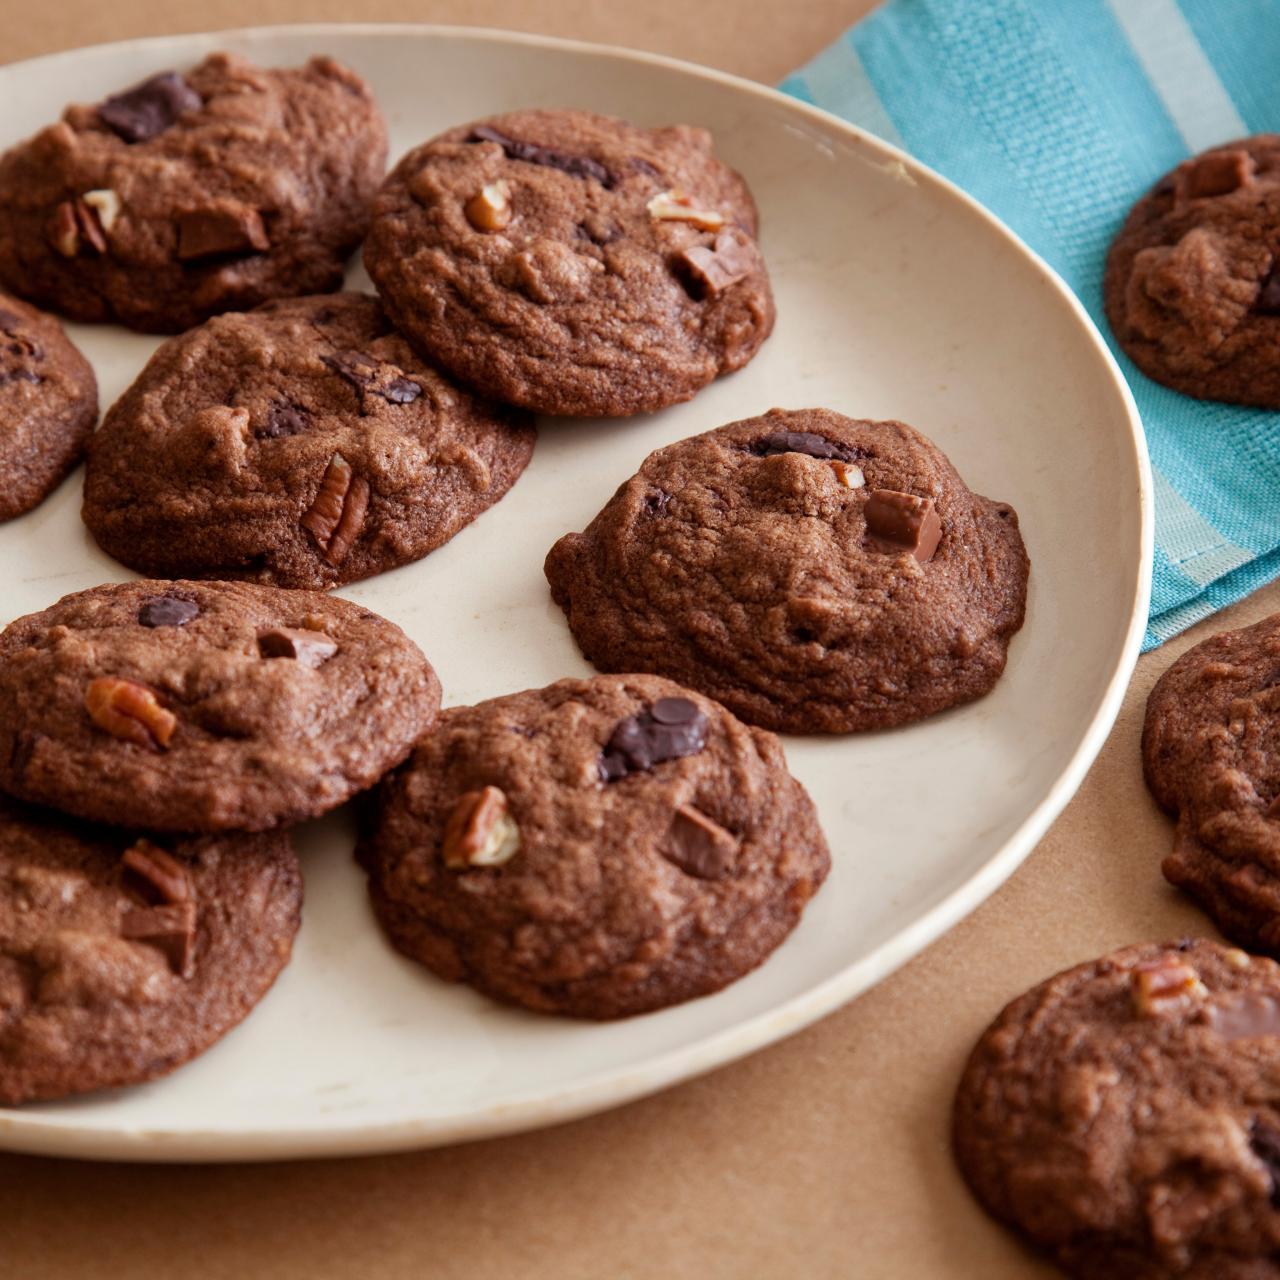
point(480, 831)
point(128, 710)
point(308, 647)
point(155, 875)
point(490, 208)
point(170, 928)
point(335, 516)
point(1164, 985)
point(675, 206)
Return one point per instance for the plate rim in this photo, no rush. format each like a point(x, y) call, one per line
point(611, 1087)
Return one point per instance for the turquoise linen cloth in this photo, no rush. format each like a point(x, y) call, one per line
point(1057, 115)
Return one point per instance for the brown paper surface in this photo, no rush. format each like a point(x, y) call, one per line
point(825, 1156)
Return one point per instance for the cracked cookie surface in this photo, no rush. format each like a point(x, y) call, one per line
point(192, 193)
point(48, 405)
point(303, 444)
point(1124, 1116)
point(1192, 285)
point(814, 573)
point(572, 263)
point(202, 706)
point(598, 848)
point(121, 958)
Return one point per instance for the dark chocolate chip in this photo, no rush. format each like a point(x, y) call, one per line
point(902, 522)
point(656, 504)
point(1264, 1141)
point(674, 711)
point(698, 845)
point(149, 108)
point(355, 367)
point(401, 391)
point(167, 611)
point(1267, 302)
point(642, 740)
point(532, 153)
point(283, 419)
point(806, 442)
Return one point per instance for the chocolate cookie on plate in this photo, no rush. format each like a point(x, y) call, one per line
point(205, 706)
point(598, 848)
point(1192, 283)
point(120, 957)
point(192, 193)
point(815, 573)
point(572, 263)
point(1125, 1115)
point(1211, 754)
point(303, 444)
point(48, 405)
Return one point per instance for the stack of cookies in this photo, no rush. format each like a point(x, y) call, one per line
point(597, 848)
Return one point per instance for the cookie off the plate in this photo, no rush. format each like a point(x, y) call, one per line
point(598, 848)
point(572, 263)
point(205, 706)
point(122, 957)
point(815, 573)
point(194, 192)
point(303, 444)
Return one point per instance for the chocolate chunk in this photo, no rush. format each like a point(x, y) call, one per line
point(902, 522)
point(643, 740)
point(149, 108)
point(806, 442)
point(1264, 1142)
point(354, 367)
point(167, 611)
point(156, 876)
point(308, 648)
point(401, 391)
point(217, 233)
point(656, 504)
point(531, 153)
point(170, 928)
point(1217, 174)
point(698, 845)
point(1245, 1017)
point(1267, 302)
point(283, 419)
point(714, 268)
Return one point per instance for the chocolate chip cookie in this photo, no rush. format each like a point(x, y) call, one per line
point(814, 573)
point(48, 405)
point(1211, 754)
point(572, 263)
point(121, 958)
point(1192, 284)
point(193, 192)
point(205, 706)
point(1125, 1115)
point(303, 444)
point(598, 848)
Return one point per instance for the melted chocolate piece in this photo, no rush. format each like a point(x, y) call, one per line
point(149, 108)
point(401, 391)
point(902, 522)
point(1246, 1017)
point(806, 442)
point(283, 419)
point(355, 367)
point(1267, 302)
point(656, 504)
point(532, 153)
point(671, 728)
point(698, 845)
point(167, 611)
point(308, 648)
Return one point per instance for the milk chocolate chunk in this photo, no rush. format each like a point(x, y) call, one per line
point(284, 419)
point(714, 268)
point(1267, 302)
point(167, 611)
point(308, 647)
point(170, 928)
point(903, 522)
point(157, 877)
point(1264, 1142)
point(531, 153)
point(1217, 174)
point(1245, 1017)
point(148, 109)
point(698, 845)
point(667, 730)
point(220, 232)
point(806, 442)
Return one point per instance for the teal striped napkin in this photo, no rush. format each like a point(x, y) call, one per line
point(1057, 115)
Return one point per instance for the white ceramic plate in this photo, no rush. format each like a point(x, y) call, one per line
point(897, 297)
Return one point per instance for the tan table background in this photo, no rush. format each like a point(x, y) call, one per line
point(824, 1156)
